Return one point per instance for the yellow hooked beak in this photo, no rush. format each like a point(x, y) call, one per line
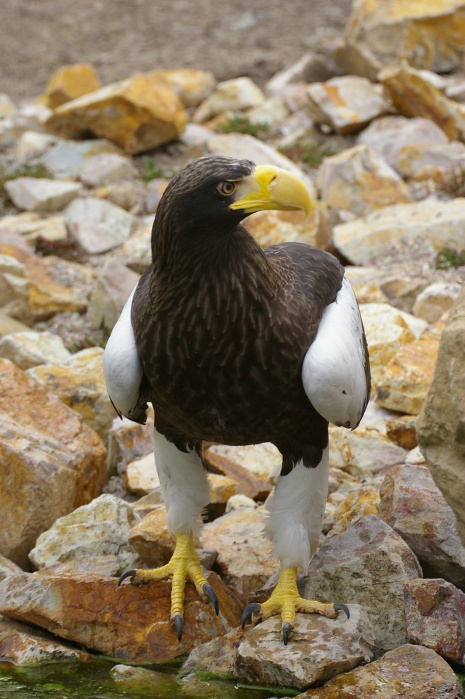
point(270, 187)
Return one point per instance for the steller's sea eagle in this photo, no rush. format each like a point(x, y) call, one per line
point(236, 344)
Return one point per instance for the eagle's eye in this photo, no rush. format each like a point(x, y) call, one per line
point(227, 188)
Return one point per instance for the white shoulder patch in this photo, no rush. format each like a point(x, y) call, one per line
point(122, 367)
point(333, 372)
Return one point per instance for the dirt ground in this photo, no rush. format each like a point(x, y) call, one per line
point(121, 37)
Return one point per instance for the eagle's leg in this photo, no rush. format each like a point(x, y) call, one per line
point(186, 493)
point(296, 511)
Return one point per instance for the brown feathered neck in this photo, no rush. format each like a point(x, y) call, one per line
point(227, 257)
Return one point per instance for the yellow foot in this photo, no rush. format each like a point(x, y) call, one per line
point(184, 565)
point(286, 600)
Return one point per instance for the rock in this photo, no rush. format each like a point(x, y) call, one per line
point(32, 226)
point(235, 502)
point(415, 457)
point(67, 158)
point(98, 226)
point(154, 192)
point(136, 252)
point(426, 35)
point(138, 680)
point(29, 349)
point(191, 86)
point(128, 195)
point(69, 82)
point(48, 456)
point(414, 507)
point(151, 540)
point(105, 168)
point(7, 106)
point(14, 287)
point(387, 330)
point(244, 555)
point(367, 565)
point(45, 296)
point(113, 288)
point(414, 96)
point(435, 617)
point(21, 644)
point(101, 565)
point(255, 467)
point(97, 529)
point(436, 300)
point(403, 383)
point(362, 452)
point(217, 658)
point(439, 223)
point(346, 103)
point(141, 475)
point(359, 180)
point(431, 162)
point(137, 114)
point(273, 227)
point(319, 649)
point(359, 503)
point(440, 425)
point(389, 135)
point(9, 325)
point(311, 67)
point(79, 383)
point(236, 94)
point(128, 441)
point(410, 672)
point(38, 194)
point(271, 111)
point(401, 429)
point(129, 622)
point(222, 489)
point(7, 568)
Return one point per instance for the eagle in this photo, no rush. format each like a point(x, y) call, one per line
point(235, 344)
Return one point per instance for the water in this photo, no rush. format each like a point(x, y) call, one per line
point(92, 680)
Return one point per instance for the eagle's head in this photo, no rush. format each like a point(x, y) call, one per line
point(215, 193)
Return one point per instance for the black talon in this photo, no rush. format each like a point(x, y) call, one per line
point(287, 628)
point(209, 591)
point(344, 608)
point(127, 574)
point(253, 608)
point(178, 624)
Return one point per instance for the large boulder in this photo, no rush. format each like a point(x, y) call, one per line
point(441, 424)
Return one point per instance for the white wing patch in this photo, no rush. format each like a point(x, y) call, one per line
point(333, 372)
point(122, 367)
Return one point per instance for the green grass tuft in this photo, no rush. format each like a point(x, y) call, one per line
point(242, 124)
point(448, 258)
point(312, 154)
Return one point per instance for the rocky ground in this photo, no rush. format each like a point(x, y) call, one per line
point(381, 149)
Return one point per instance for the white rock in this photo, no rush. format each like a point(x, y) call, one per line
point(439, 223)
point(31, 225)
point(418, 161)
point(97, 529)
point(39, 194)
point(7, 106)
point(28, 349)
point(14, 287)
point(97, 225)
point(235, 502)
point(141, 475)
point(236, 94)
point(113, 287)
point(32, 143)
point(270, 111)
point(362, 452)
point(67, 158)
point(310, 68)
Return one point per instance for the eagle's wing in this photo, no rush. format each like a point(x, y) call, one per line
point(122, 368)
point(336, 369)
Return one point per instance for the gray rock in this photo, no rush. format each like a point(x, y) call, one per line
point(415, 508)
point(435, 617)
point(67, 158)
point(367, 565)
point(311, 67)
point(40, 194)
point(408, 672)
point(105, 168)
point(99, 528)
point(318, 649)
point(7, 567)
point(441, 424)
point(113, 288)
point(14, 287)
point(98, 226)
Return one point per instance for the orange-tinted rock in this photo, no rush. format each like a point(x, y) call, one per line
point(151, 539)
point(130, 622)
point(137, 114)
point(50, 461)
point(69, 82)
point(254, 467)
point(21, 644)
